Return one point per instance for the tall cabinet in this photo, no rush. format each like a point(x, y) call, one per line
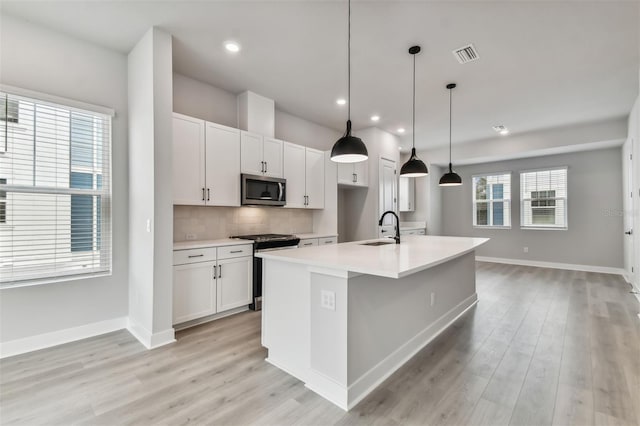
point(206, 163)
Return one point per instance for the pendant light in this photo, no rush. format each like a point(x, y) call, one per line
point(414, 167)
point(349, 149)
point(450, 178)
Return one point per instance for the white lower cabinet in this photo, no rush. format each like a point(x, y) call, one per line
point(235, 278)
point(308, 242)
point(194, 293)
point(211, 280)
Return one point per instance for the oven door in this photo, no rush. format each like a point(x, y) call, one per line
point(263, 191)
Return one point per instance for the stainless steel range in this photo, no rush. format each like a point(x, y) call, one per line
point(265, 242)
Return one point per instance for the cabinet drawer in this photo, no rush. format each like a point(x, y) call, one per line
point(327, 240)
point(182, 257)
point(229, 252)
point(309, 242)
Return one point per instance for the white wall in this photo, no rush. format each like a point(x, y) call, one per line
point(35, 58)
point(303, 132)
point(594, 236)
point(196, 99)
point(150, 202)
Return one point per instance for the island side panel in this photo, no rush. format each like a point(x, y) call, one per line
point(390, 320)
point(285, 316)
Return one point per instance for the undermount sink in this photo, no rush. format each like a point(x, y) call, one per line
point(378, 243)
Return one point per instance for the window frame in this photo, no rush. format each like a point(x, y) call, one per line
point(490, 201)
point(104, 195)
point(539, 227)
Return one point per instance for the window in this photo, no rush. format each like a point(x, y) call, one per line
point(3, 202)
point(55, 198)
point(543, 196)
point(492, 200)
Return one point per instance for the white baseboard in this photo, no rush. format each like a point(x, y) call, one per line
point(148, 339)
point(54, 338)
point(385, 368)
point(553, 265)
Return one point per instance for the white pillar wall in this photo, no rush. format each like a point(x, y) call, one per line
point(150, 75)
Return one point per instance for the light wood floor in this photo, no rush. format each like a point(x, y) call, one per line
point(541, 347)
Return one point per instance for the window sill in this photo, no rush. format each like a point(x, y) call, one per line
point(44, 281)
point(491, 227)
point(543, 228)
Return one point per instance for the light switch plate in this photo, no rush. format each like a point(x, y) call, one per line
point(328, 300)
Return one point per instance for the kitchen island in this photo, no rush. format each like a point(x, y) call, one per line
point(343, 317)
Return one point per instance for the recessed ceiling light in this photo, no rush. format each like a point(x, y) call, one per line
point(401, 130)
point(501, 129)
point(399, 148)
point(341, 101)
point(232, 46)
point(375, 117)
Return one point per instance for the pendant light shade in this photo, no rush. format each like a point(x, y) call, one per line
point(450, 178)
point(414, 167)
point(349, 149)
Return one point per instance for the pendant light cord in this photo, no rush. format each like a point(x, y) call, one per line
point(450, 128)
point(413, 126)
point(349, 66)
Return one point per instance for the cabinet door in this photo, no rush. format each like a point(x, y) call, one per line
point(346, 173)
point(251, 154)
point(315, 178)
point(223, 165)
point(272, 157)
point(361, 170)
point(407, 190)
point(294, 173)
point(188, 160)
point(234, 283)
point(194, 293)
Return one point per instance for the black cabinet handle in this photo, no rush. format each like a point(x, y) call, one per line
point(236, 251)
point(215, 273)
point(195, 255)
point(266, 167)
point(208, 194)
point(219, 271)
point(202, 194)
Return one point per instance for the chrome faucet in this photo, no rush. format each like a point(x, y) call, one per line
point(397, 237)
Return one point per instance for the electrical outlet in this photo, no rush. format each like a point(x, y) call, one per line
point(525, 249)
point(191, 237)
point(433, 299)
point(328, 300)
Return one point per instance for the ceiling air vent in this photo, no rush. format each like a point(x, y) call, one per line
point(466, 54)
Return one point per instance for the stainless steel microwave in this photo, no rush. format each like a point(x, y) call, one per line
point(262, 190)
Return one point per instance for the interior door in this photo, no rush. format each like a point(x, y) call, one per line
point(387, 196)
point(627, 186)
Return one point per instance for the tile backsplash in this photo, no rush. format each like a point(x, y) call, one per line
point(210, 223)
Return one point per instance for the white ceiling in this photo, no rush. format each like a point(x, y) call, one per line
point(542, 64)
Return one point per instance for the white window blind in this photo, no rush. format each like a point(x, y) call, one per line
point(492, 200)
point(543, 194)
point(55, 191)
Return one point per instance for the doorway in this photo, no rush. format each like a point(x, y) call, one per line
point(387, 196)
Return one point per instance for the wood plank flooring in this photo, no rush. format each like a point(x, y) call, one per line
point(542, 347)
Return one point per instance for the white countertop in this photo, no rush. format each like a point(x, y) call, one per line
point(186, 245)
point(414, 253)
point(305, 236)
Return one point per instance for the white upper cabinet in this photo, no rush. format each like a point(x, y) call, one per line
point(261, 155)
point(353, 174)
point(272, 156)
point(188, 160)
point(407, 194)
point(304, 172)
point(222, 165)
point(294, 173)
point(314, 178)
point(206, 163)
